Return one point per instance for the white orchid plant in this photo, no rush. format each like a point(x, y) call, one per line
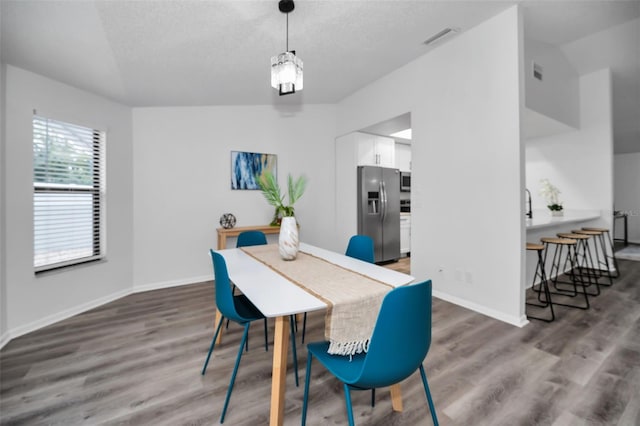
point(550, 194)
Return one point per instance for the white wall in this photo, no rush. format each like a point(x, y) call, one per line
point(579, 163)
point(467, 215)
point(626, 184)
point(182, 181)
point(557, 95)
point(39, 300)
point(346, 187)
point(3, 284)
point(616, 48)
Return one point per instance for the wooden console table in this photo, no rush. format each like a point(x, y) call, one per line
point(234, 232)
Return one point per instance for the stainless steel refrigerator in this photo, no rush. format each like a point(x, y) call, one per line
point(379, 210)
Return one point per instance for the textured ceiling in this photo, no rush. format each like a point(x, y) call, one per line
point(199, 52)
point(208, 52)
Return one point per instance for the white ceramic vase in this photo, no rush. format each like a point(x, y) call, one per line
point(557, 213)
point(288, 242)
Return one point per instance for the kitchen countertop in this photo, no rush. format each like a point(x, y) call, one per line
point(543, 219)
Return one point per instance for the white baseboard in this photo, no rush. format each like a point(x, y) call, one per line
point(171, 283)
point(4, 339)
point(517, 321)
point(59, 316)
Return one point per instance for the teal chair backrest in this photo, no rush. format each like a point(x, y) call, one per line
point(251, 238)
point(224, 296)
point(400, 339)
point(361, 247)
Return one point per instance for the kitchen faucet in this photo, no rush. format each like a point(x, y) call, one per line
point(529, 211)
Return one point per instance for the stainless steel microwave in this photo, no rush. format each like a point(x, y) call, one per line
point(405, 181)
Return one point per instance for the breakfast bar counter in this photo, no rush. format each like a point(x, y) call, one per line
point(543, 219)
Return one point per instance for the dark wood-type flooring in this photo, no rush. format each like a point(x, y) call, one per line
point(137, 360)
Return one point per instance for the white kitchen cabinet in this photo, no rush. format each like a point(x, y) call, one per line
point(405, 233)
point(403, 157)
point(375, 150)
point(386, 150)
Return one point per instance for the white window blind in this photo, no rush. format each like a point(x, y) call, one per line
point(68, 193)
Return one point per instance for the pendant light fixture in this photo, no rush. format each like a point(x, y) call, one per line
point(286, 68)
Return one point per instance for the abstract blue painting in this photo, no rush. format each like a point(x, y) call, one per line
point(247, 167)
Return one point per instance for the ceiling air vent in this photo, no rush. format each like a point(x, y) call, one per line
point(537, 71)
point(446, 32)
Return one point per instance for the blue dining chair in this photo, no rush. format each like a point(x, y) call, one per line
point(238, 309)
point(398, 346)
point(251, 238)
point(245, 239)
point(359, 247)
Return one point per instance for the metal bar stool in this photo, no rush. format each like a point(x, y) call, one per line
point(559, 244)
point(601, 257)
point(584, 260)
point(544, 284)
point(607, 236)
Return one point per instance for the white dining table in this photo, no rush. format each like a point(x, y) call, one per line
point(277, 297)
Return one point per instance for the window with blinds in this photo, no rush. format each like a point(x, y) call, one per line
point(68, 194)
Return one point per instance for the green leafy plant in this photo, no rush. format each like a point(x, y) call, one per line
point(271, 191)
point(555, 207)
point(550, 194)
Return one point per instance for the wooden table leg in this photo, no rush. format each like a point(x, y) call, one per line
point(396, 397)
point(278, 379)
point(222, 241)
point(215, 324)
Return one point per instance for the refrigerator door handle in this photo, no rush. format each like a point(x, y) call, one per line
point(383, 196)
point(381, 189)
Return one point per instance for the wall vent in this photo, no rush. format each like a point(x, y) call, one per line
point(537, 71)
point(441, 34)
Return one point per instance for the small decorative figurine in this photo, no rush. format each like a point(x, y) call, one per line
point(227, 221)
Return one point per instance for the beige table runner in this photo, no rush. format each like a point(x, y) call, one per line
point(353, 299)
